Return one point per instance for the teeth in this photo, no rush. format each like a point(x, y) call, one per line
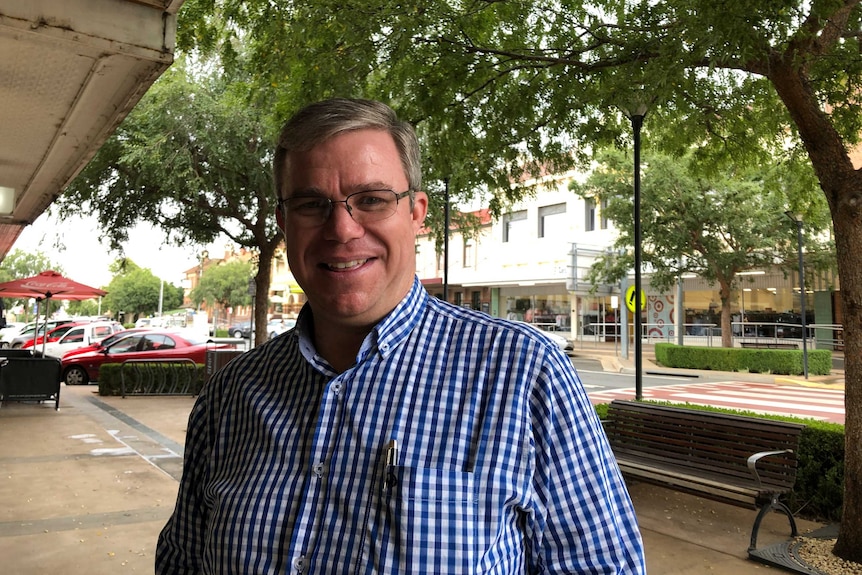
point(346, 265)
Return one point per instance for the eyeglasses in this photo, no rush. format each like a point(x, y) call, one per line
point(364, 207)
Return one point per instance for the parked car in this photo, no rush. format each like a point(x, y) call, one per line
point(30, 329)
point(241, 329)
point(82, 368)
point(52, 335)
point(276, 327)
point(105, 342)
point(81, 336)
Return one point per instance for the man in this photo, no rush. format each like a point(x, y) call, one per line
point(389, 432)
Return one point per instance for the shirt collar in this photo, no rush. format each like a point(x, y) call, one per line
point(386, 335)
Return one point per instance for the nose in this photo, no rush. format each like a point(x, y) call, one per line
point(340, 225)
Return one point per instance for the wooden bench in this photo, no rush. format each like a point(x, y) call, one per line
point(744, 461)
point(768, 345)
point(29, 379)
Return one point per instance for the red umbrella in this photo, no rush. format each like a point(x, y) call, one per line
point(46, 285)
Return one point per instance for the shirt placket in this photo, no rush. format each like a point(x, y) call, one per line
point(312, 513)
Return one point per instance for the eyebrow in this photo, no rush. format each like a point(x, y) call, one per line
point(364, 187)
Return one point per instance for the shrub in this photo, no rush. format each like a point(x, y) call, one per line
point(777, 361)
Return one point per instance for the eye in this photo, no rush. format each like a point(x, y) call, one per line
point(307, 204)
point(373, 199)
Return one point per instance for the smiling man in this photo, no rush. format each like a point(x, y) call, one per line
point(389, 432)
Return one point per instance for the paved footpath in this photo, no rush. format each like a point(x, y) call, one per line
point(86, 490)
point(759, 396)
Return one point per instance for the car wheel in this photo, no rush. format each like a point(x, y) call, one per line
point(237, 334)
point(273, 335)
point(16, 346)
point(76, 376)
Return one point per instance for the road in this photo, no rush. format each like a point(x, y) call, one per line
point(716, 390)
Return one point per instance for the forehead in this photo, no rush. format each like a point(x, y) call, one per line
point(350, 160)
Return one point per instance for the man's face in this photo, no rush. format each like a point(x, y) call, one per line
point(353, 274)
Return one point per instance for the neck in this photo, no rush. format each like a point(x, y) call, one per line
point(340, 344)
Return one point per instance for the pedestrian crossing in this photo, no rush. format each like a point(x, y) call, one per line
point(760, 397)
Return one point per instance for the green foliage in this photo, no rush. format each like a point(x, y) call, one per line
point(777, 361)
point(134, 291)
point(715, 226)
point(225, 284)
point(820, 477)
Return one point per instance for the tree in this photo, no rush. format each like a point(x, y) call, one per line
point(500, 87)
point(225, 285)
point(20, 264)
point(193, 158)
point(135, 291)
point(715, 227)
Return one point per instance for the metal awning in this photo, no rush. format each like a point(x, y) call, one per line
point(71, 71)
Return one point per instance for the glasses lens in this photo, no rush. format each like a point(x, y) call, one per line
point(372, 205)
point(309, 210)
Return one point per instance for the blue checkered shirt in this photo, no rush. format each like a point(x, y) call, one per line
point(500, 464)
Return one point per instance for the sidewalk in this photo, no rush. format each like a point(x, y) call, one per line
point(610, 355)
point(86, 490)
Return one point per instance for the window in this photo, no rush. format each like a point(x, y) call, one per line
point(74, 336)
point(590, 214)
point(515, 226)
point(475, 299)
point(552, 221)
point(603, 210)
point(469, 251)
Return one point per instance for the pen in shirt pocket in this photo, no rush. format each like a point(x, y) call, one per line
point(391, 463)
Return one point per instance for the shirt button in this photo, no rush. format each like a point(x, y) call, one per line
point(336, 388)
point(384, 346)
point(299, 564)
point(317, 468)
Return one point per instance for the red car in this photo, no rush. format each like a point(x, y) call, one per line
point(82, 368)
point(105, 342)
point(53, 334)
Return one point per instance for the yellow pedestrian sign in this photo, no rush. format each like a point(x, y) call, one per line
point(630, 299)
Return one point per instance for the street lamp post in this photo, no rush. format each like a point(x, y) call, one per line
point(797, 218)
point(636, 115)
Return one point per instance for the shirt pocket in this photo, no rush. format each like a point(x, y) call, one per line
point(432, 518)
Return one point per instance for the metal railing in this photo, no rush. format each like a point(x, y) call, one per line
point(158, 377)
point(818, 336)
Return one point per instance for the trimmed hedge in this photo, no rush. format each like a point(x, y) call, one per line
point(819, 490)
point(777, 361)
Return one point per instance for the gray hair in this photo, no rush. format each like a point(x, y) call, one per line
point(322, 120)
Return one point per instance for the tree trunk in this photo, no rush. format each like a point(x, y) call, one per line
point(848, 236)
point(724, 295)
point(262, 281)
point(842, 185)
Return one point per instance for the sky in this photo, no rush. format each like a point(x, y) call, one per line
point(86, 260)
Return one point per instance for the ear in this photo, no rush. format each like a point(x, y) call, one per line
point(279, 218)
point(420, 209)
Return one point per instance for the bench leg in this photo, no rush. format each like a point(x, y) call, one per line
point(778, 506)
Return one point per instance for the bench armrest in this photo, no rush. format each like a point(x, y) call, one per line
point(752, 461)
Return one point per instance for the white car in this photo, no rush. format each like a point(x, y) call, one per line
point(276, 327)
point(559, 340)
point(82, 335)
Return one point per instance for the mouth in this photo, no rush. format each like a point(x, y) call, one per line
point(343, 266)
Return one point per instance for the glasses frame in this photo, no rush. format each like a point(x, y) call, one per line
point(282, 205)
